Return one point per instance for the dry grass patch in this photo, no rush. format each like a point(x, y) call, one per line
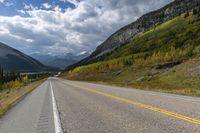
point(9, 97)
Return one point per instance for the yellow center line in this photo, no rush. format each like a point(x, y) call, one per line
point(141, 105)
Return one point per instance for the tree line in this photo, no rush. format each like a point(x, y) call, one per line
point(7, 77)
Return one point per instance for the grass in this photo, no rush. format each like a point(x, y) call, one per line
point(179, 32)
point(8, 97)
point(135, 64)
point(182, 79)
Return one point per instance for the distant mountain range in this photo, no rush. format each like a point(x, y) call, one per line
point(14, 60)
point(60, 61)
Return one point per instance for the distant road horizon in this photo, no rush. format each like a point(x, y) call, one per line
point(59, 106)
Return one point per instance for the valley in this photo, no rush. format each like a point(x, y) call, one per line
point(143, 75)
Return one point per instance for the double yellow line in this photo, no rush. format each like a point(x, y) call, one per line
point(141, 105)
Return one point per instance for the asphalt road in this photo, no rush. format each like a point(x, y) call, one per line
point(33, 114)
point(91, 108)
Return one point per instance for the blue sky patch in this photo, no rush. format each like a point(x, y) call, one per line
point(12, 7)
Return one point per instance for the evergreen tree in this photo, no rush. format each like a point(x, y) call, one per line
point(1, 76)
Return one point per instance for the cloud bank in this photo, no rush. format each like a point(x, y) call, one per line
point(52, 30)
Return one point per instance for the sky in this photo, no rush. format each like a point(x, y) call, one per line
point(58, 27)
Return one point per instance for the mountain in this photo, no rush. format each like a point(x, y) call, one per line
point(164, 57)
point(60, 61)
point(144, 23)
point(14, 60)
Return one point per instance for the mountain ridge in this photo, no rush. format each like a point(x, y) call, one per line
point(61, 61)
point(13, 60)
point(165, 58)
point(142, 24)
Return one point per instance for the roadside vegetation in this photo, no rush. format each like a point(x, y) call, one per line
point(165, 58)
point(13, 86)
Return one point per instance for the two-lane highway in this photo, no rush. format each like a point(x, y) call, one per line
point(88, 108)
point(92, 108)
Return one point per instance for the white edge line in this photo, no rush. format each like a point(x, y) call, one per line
point(57, 123)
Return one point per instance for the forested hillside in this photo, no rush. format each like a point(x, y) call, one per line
point(164, 58)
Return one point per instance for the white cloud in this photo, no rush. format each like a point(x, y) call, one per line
point(59, 31)
point(2, 1)
point(46, 5)
point(29, 7)
point(57, 9)
point(6, 3)
point(74, 2)
point(21, 12)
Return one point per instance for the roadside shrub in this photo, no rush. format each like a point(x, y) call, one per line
point(12, 85)
point(197, 50)
point(187, 14)
point(16, 84)
point(194, 11)
point(25, 79)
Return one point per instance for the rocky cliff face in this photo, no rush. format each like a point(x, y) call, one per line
point(144, 23)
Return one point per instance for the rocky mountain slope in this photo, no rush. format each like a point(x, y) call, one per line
point(164, 58)
point(144, 23)
point(14, 60)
